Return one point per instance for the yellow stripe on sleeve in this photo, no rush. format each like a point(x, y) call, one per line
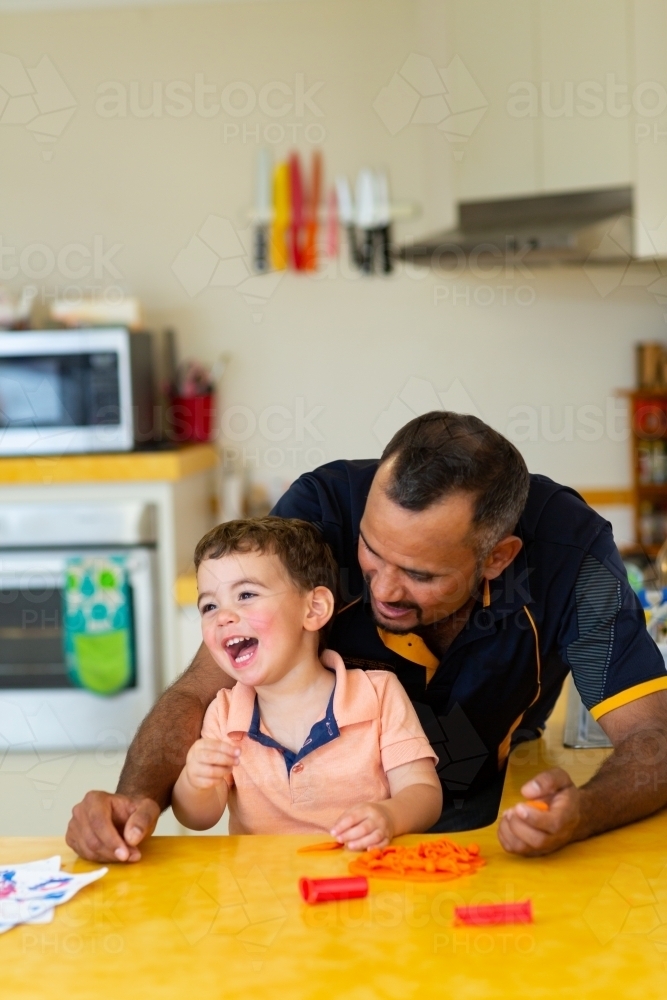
point(630, 694)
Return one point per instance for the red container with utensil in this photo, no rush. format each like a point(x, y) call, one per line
point(191, 418)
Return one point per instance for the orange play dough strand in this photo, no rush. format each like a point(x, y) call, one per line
point(428, 861)
point(537, 804)
point(325, 845)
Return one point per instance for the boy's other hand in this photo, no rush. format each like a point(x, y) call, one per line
point(365, 826)
point(209, 762)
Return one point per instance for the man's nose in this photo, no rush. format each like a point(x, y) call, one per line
point(386, 586)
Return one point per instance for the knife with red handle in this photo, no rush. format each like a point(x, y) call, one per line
point(296, 235)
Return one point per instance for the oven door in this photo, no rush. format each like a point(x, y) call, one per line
point(65, 391)
point(40, 708)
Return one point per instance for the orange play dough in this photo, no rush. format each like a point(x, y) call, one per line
point(429, 861)
point(325, 845)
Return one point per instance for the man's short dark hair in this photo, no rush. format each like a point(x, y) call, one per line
point(441, 453)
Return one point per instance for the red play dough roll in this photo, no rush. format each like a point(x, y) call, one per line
point(322, 890)
point(496, 913)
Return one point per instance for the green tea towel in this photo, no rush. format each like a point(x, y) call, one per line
point(98, 624)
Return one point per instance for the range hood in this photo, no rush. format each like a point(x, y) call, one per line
point(577, 227)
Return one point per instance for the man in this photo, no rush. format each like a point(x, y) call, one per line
point(481, 588)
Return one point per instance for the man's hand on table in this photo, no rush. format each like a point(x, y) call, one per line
point(631, 784)
point(106, 827)
point(531, 832)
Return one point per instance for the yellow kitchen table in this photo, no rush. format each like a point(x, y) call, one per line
point(221, 917)
point(209, 917)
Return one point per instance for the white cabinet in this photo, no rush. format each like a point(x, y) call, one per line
point(576, 94)
point(556, 75)
point(649, 137)
point(493, 39)
point(582, 54)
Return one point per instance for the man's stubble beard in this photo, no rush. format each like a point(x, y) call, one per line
point(420, 626)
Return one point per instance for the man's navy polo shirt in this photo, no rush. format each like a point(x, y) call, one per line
point(563, 604)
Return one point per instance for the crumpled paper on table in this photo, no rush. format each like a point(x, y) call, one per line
point(30, 892)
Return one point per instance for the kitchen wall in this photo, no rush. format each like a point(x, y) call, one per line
point(321, 366)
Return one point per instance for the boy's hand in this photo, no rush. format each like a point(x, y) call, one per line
point(209, 761)
point(364, 826)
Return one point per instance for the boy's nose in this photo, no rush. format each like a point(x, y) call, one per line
point(227, 617)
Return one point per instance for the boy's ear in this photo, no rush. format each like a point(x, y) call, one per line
point(320, 609)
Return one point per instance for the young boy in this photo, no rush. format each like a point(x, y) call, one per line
point(299, 744)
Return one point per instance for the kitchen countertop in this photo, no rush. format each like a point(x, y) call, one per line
point(211, 917)
point(185, 589)
point(136, 466)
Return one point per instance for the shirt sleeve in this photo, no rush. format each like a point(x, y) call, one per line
point(214, 726)
point(402, 738)
point(604, 639)
point(303, 500)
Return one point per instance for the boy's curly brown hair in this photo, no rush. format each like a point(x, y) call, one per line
point(298, 544)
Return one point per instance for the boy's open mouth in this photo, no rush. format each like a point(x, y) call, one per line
point(241, 649)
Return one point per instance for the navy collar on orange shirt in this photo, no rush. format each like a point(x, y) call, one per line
point(321, 732)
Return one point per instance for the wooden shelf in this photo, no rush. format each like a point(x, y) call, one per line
point(643, 393)
point(652, 489)
point(606, 498)
point(640, 550)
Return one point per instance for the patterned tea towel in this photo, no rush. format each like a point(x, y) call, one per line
point(98, 624)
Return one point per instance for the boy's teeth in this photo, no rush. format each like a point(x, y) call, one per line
point(241, 648)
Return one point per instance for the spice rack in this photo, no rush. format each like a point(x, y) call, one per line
point(648, 440)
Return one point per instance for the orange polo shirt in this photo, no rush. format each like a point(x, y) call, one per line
point(378, 729)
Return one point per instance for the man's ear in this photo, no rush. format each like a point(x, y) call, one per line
point(320, 609)
point(500, 556)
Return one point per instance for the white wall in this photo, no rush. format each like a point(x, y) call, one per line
point(344, 345)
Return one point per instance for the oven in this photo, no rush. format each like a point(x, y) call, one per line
point(42, 705)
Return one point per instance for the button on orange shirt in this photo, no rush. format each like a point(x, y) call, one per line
point(378, 730)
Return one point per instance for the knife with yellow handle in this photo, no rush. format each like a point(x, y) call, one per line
point(281, 217)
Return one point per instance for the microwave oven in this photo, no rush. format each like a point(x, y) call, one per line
point(73, 391)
